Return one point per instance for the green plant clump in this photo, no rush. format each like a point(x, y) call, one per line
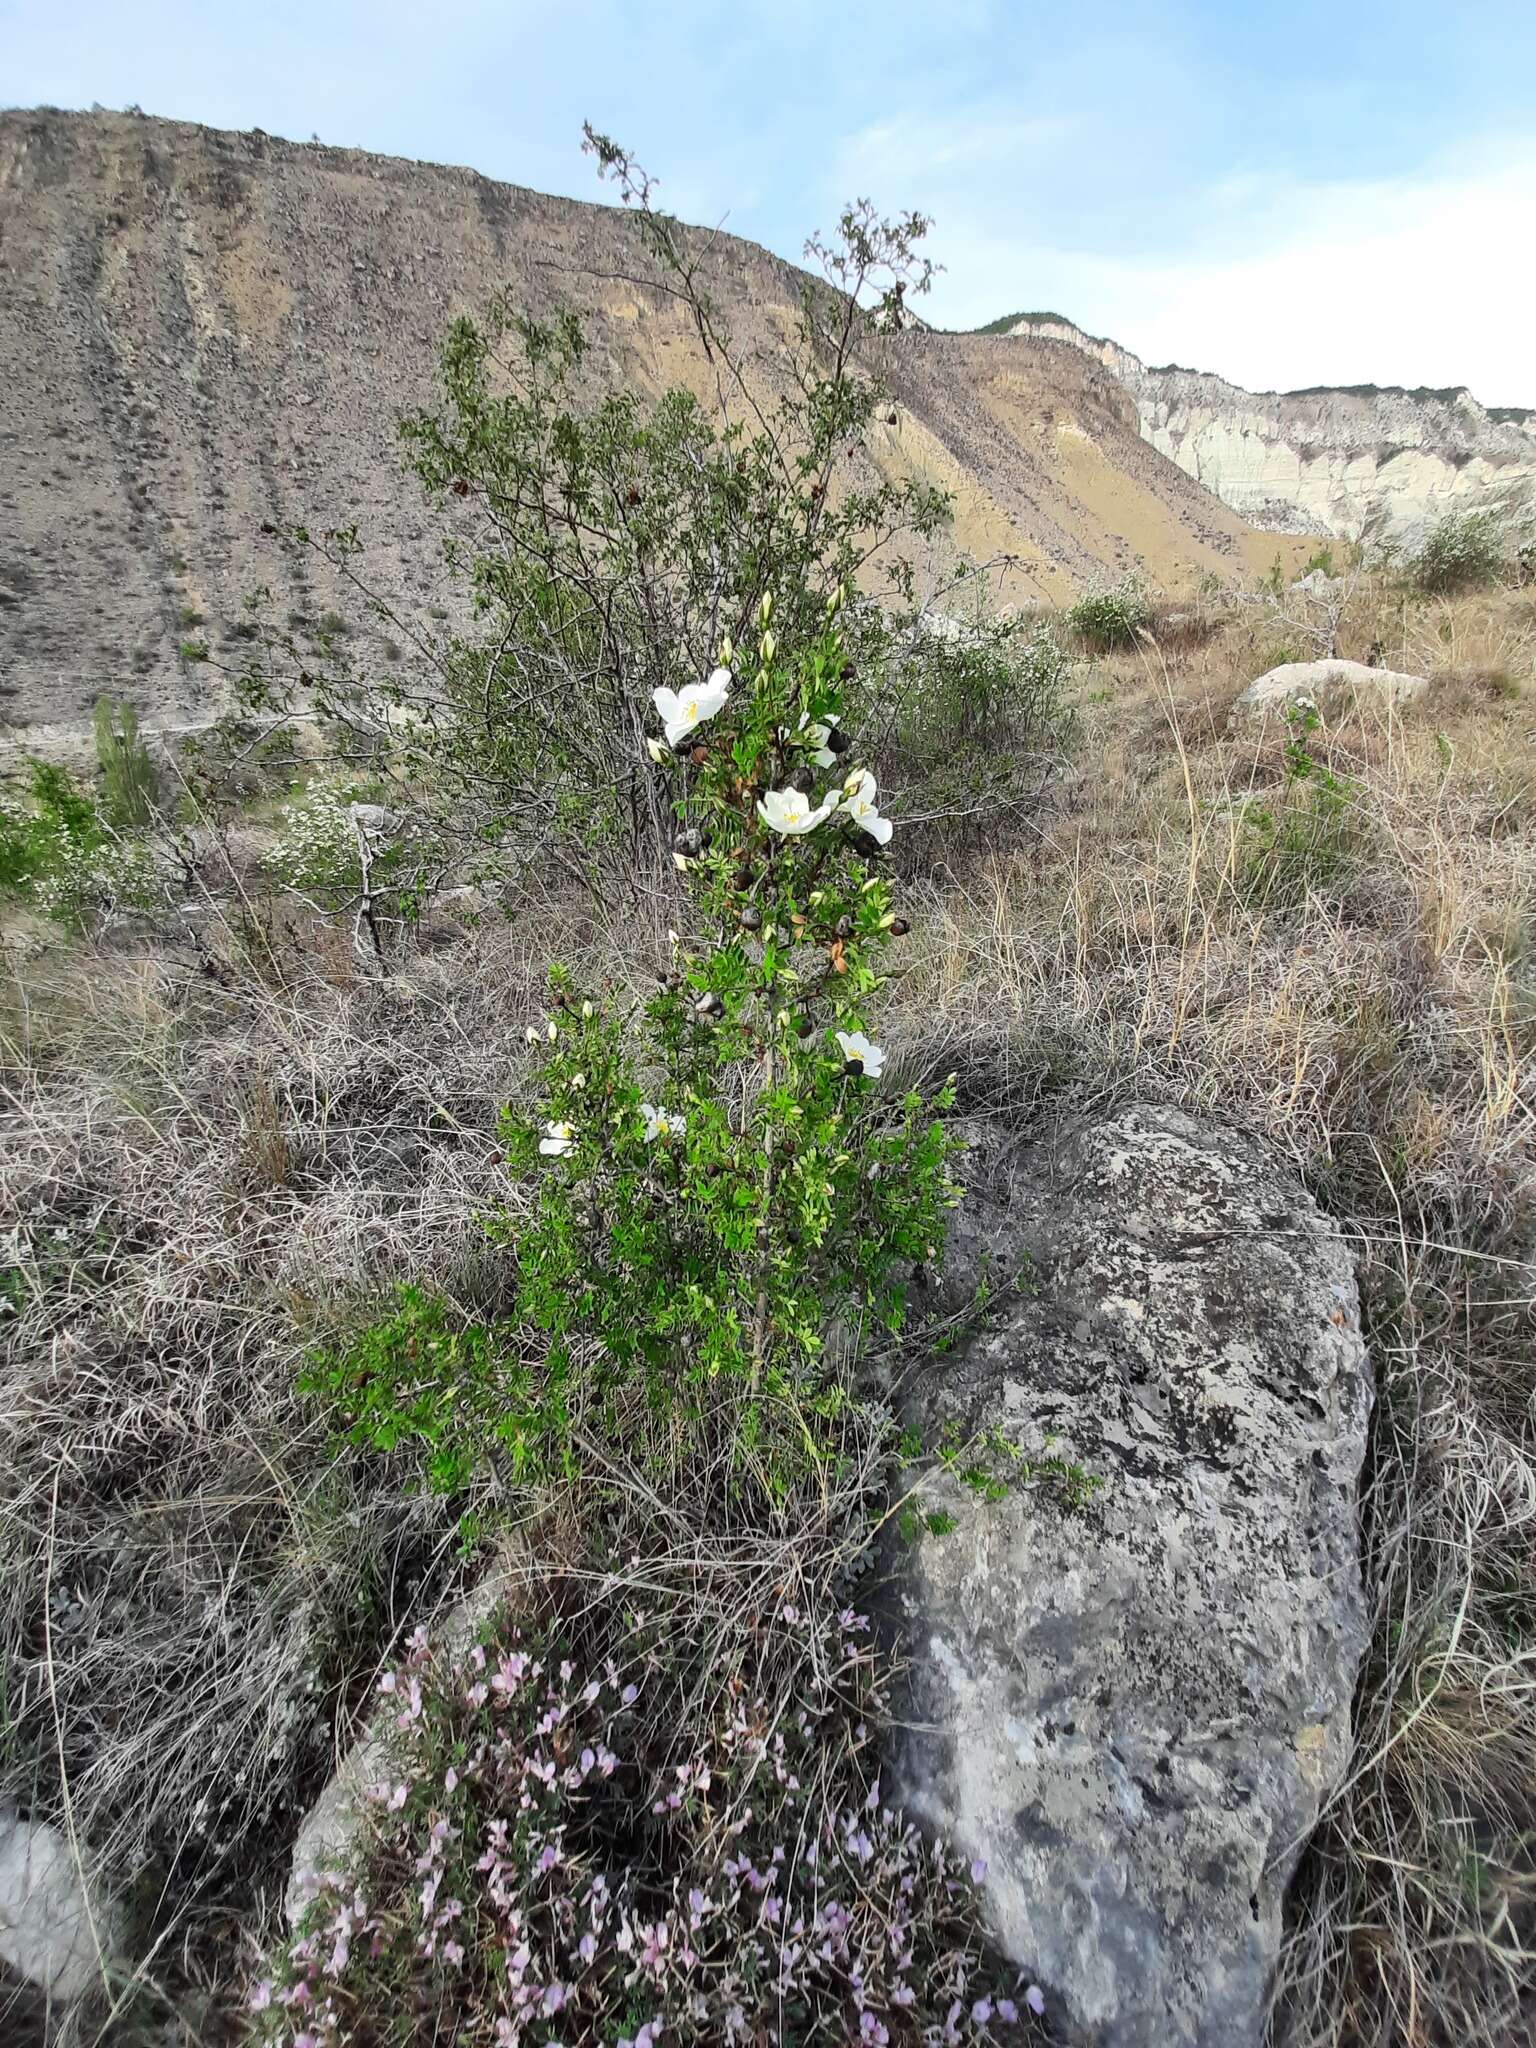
point(1112, 617)
point(128, 777)
point(1461, 551)
point(60, 853)
point(1309, 840)
point(724, 1171)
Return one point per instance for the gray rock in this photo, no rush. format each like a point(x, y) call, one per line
point(1133, 1709)
point(334, 1831)
point(1334, 688)
point(54, 1933)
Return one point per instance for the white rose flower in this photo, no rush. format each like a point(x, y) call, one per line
point(661, 1123)
point(859, 805)
point(558, 1139)
point(789, 812)
point(682, 710)
point(857, 1047)
point(818, 734)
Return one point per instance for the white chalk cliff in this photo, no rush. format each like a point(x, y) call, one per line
point(1360, 459)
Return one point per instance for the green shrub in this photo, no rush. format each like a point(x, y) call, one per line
point(1308, 841)
point(628, 539)
point(1113, 616)
point(371, 867)
point(60, 855)
point(127, 772)
point(1461, 551)
point(723, 1173)
point(976, 688)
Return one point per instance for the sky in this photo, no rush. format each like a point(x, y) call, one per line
point(1309, 194)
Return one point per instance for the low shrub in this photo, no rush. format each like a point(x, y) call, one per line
point(1461, 550)
point(589, 1832)
point(347, 860)
point(60, 855)
point(1308, 840)
point(1111, 616)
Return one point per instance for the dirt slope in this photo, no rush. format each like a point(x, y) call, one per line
point(203, 331)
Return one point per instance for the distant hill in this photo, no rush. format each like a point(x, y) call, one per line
point(1346, 459)
point(201, 332)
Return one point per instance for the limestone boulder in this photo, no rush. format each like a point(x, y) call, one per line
point(1332, 688)
point(56, 1931)
point(1132, 1703)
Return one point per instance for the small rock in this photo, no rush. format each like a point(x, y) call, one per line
point(1335, 688)
point(47, 1935)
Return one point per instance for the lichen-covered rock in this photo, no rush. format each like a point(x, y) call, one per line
point(1132, 1708)
point(1331, 688)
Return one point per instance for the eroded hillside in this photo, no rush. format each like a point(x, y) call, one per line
point(1357, 460)
point(203, 332)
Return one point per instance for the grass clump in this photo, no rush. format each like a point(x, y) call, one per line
point(1111, 617)
point(129, 782)
point(1461, 551)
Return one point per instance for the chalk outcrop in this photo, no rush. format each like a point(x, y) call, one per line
point(1332, 688)
point(1366, 460)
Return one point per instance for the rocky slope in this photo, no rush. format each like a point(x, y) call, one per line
point(1367, 459)
point(201, 332)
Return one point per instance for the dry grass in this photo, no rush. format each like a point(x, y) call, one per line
point(207, 1168)
point(194, 1591)
point(1380, 1026)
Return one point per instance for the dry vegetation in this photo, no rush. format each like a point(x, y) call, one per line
point(212, 1151)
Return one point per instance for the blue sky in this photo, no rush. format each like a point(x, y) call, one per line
point(1308, 194)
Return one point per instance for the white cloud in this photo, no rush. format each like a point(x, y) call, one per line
point(905, 149)
point(1422, 279)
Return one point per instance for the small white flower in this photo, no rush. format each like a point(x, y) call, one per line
point(558, 1139)
point(587, 1011)
point(859, 805)
point(552, 1030)
point(682, 710)
point(662, 1123)
point(534, 1035)
point(857, 1047)
point(788, 811)
point(578, 1080)
point(658, 752)
point(818, 733)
